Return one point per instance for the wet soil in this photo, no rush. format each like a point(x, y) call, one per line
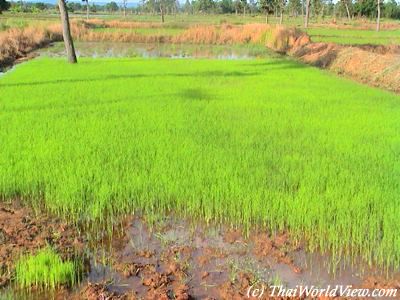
point(22, 231)
point(173, 259)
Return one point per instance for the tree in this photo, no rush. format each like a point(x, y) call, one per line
point(378, 17)
point(237, 5)
point(281, 4)
point(188, 8)
point(392, 9)
point(4, 5)
point(162, 10)
point(39, 6)
point(244, 4)
point(124, 5)
point(294, 7)
point(346, 5)
point(87, 9)
point(307, 17)
point(69, 44)
point(266, 6)
point(112, 6)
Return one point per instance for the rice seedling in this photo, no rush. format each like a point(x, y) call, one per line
point(268, 142)
point(45, 270)
point(354, 36)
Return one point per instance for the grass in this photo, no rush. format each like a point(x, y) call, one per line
point(354, 36)
point(271, 143)
point(44, 270)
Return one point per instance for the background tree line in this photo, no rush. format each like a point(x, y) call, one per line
point(319, 9)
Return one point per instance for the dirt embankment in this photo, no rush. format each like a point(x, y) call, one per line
point(374, 65)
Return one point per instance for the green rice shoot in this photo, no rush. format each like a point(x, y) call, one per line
point(45, 270)
point(268, 143)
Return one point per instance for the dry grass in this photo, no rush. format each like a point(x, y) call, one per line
point(283, 39)
point(17, 43)
point(81, 31)
point(224, 34)
point(121, 24)
point(382, 70)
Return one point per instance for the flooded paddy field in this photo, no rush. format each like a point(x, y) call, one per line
point(154, 50)
point(195, 177)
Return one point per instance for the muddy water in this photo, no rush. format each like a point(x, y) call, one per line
point(215, 261)
point(108, 49)
point(163, 257)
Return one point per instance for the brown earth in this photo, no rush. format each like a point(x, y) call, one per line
point(22, 231)
point(375, 66)
point(172, 260)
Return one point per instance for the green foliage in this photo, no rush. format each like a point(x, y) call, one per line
point(4, 5)
point(44, 270)
point(269, 142)
point(112, 6)
point(392, 9)
point(366, 8)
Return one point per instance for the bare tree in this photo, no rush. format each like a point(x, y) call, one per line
point(347, 10)
point(378, 18)
point(281, 8)
point(69, 44)
point(162, 11)
point(87, 9)
point(124, 5)
point(306, 19)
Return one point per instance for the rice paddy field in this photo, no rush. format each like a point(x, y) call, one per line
point(355, 36)
point(267, 143)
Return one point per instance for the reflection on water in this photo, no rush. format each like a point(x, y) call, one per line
point(109, 49)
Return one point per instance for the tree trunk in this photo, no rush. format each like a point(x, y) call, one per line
point(162, 13)
point(378, 19)
point(87, 10)
point(281, 17)
point(69, 44)
point(307, 14)
point(244, 10)
point(302, 9)
point(266, 17)
point(347, 10)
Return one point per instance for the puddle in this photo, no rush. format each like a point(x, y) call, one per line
point(210, 261)
point(108, 49)
point(175, 257)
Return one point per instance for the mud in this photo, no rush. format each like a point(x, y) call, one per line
point(175, 259)
point(184, 260)
point(22, 231)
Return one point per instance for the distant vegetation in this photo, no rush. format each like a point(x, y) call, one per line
point(319, 9)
